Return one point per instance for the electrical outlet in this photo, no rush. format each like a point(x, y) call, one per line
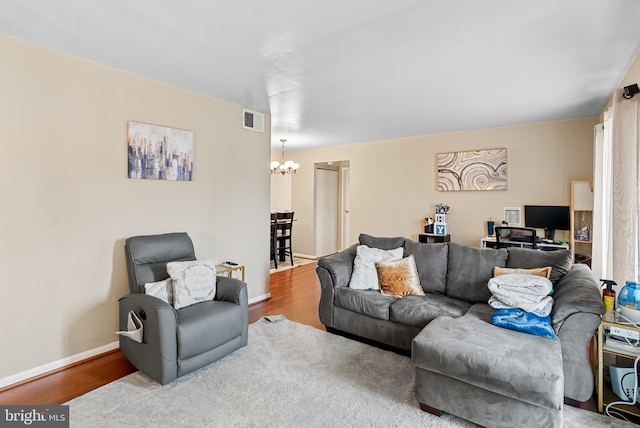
point(623, 332)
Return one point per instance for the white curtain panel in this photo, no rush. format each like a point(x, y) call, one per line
point(626, 185)
point(602, 236)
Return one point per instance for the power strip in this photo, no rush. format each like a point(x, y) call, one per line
point(623, 332)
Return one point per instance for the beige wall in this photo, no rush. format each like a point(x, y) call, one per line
point(280, 192)
point(393, 183)
point(68, 206)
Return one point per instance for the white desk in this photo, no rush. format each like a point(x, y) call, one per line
point(490, 242)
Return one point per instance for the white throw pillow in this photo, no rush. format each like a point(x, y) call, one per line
point(163, 290)
point(193, 282)
point(365, 276)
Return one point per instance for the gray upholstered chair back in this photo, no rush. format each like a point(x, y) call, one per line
point(147, 257)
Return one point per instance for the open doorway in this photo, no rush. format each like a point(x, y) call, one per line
point(331, 206)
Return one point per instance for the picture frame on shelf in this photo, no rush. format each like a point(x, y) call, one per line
point(513, 217)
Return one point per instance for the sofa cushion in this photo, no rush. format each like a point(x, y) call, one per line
point(516, 365)
point(381, 243)
point(469, 270)
point(367, 302)
point(431, 262)
point(399, 278)
point(559, 260)
point(364, 275)
point(419, 311)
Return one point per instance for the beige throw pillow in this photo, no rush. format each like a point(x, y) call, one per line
point(544, 272)
point(399, 278)
point(193, 282)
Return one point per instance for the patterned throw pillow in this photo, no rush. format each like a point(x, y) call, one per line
point(364, 276)
point(163, 290)
point(399, 278)
point(193, 282)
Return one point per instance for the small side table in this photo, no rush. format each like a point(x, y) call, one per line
point(228, 270)
point(432, 238)
point(606, 354)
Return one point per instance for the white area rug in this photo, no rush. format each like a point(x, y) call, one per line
point(297, 261)
point(290, 375)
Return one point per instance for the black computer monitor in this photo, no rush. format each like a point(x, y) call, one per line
point(547, 217)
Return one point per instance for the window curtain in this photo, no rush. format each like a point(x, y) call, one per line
point(602, 234)
point(625, 201)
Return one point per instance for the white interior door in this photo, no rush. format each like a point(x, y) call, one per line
point(326, 211)
point(346, 208)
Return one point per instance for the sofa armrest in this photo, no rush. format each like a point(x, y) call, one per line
point(339, 266)
point(576, 292)
point(575, 336)
point(333, 272)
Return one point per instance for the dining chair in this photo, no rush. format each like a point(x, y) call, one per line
point(274, 240)
point(284, 236)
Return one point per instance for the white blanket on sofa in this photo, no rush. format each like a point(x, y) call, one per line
point(527, 292)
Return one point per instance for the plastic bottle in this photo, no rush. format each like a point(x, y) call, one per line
point(608, 296)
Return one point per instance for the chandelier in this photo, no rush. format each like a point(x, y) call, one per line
point(286, 167)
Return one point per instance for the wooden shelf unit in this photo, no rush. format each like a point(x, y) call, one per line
point(581, 216)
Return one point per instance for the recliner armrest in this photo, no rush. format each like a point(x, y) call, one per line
point(157, 355)
point(231, 290)
point(159, 319)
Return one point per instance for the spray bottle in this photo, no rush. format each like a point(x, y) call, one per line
point(608, 295)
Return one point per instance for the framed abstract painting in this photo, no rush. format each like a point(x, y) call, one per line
point(159, 152)
point(472, 170)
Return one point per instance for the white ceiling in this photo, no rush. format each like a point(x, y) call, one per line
point(346, 71)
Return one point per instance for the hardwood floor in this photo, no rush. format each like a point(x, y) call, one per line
point(295, 293)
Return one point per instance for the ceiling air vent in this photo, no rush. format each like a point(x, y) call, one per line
point(252, 120)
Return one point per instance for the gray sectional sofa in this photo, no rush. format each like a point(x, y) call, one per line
point(454, 278)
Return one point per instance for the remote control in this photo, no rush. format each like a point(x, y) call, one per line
point(231, 263)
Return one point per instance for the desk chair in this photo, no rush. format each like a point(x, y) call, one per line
point(284, 226)
point(521, 235)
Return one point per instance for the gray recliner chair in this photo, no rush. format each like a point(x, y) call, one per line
point(177, 342)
